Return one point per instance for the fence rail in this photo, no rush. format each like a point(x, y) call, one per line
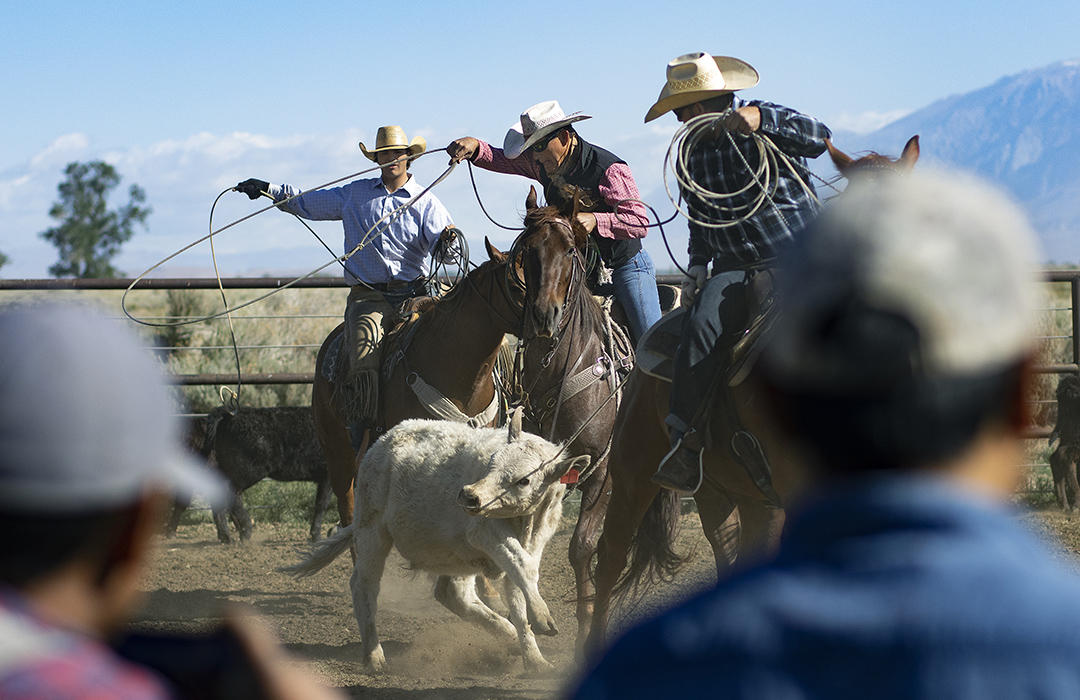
point(1072, 277)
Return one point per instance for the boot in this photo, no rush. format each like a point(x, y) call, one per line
point(681, 469)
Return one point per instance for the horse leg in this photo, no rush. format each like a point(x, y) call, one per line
point(594, 501)
point(628, 504)
point(762, 526)
point(322, 500)
point(336, 448)
point(720, 522)
point(458, 595)
point(372, 545)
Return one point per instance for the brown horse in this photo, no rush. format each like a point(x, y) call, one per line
point(737, 515)
point(866, 164)
point(452, 346)
point(571, 357)
point(565, 377)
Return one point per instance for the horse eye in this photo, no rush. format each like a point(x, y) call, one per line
point(523, 482)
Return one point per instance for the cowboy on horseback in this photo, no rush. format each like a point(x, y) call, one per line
point(386, 253)
point(740, 234)
point(544, 146)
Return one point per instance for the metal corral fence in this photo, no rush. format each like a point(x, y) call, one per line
point(1060, 339)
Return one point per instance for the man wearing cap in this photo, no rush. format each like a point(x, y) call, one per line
point(544, 146)
point(90, 457)
point(387, 252)
point(899, 364)
point(740, 234)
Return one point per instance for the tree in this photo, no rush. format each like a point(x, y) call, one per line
point(89, 234)
point(3, 260)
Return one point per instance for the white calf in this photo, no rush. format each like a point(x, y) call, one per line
point(458, 502)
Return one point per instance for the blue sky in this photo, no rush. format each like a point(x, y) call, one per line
point(188, 98)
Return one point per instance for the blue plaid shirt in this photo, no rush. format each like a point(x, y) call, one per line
point(720, 169)
point(400, 252)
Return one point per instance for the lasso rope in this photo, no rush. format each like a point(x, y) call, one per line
point(229, 397)
point(765, 177)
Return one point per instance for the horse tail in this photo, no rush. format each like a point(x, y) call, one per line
point(322, 553)
point(652, 555)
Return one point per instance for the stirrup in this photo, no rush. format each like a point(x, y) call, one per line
point(681, 470)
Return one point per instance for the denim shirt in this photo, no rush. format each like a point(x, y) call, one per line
point(892, 588)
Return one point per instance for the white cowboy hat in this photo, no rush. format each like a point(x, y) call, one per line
point(390, 138)
point(537, 122)
point(694, 77)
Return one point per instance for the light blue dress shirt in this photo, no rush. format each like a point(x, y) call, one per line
point(400, 251)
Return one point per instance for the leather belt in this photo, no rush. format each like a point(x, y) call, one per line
point(391, 286)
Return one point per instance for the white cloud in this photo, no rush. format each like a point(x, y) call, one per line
point(64, 147)
point(182, 177)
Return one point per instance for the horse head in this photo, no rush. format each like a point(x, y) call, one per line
point(866, 165)
point(548, 254)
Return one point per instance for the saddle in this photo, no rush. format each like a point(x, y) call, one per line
point(363, 401)
point(656, 350)
point(655, 357)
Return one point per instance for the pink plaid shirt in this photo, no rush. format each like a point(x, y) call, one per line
point(616, 185)
point(40, 660)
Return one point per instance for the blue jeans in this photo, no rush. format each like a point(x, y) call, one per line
point(635, 290)
point(719, 308)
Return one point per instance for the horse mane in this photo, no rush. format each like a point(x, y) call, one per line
point(538, 215)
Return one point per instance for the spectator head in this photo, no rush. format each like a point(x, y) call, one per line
point(906, 324)
point(90, 448)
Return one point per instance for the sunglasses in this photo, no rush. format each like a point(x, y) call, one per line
point(542, 144)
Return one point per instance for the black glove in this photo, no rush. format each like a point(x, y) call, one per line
point(253, 188)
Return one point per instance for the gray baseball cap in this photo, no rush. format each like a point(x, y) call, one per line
point(85, 417)
point(949, 256)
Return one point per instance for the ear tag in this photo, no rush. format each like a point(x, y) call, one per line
point(569, 477)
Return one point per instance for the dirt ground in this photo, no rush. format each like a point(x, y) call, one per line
point(430, 653)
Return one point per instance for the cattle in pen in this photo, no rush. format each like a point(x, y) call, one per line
point(275, 442)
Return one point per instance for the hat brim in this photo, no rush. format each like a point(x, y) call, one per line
point(515, 143)
point(738, 75)
point(417, 146)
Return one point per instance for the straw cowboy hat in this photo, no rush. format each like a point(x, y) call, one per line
point(694, 77)
point(537, 122)
point(389, 138)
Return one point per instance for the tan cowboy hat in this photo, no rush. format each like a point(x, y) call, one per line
point(535, 123)
point(390, 138)
point(694, 77)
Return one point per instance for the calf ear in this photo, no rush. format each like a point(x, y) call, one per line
point(568, 470)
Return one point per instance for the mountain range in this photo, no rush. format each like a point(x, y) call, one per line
point(1021, 132)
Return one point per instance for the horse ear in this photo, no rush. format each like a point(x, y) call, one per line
point(841, 160)
point(493, 252)
point(910, 153)
point(530, 200)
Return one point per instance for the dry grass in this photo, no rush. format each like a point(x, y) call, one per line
point(291, 318)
